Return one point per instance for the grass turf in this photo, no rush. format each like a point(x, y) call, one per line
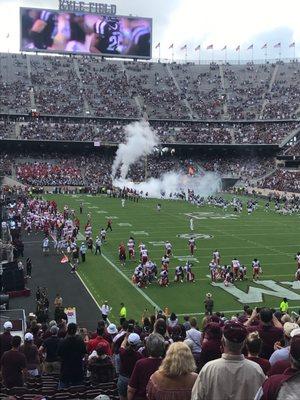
point(270, 237)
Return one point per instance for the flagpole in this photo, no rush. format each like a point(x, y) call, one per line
point(199, 55)
point(239, 56)
point(159, 53)
point(266, 53)
point(185, 54)
point(252, 55)
point(226, 55)
point(279, 52)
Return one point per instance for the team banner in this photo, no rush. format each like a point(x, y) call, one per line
point(78, 32)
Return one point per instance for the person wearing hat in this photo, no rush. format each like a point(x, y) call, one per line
point(209, 303)
point(13, 365)
point(5, 338)
point(287, 384)
point(99, 340)
point(129, 355)
point(232, 376)
point(282, 353)
point(211, 344)
point(30, 351)
point(105, 310)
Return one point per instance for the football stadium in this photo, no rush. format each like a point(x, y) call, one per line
point(149, 202)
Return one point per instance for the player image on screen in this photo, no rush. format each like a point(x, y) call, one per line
point(139, 38)
point(107, 36)
point(43, 30)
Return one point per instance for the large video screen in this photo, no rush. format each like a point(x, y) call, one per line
point(60, 31)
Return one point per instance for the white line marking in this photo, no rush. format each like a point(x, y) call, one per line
point(131, 283)
point(225, 312)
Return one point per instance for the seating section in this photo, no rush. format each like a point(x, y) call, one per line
point(108, 88)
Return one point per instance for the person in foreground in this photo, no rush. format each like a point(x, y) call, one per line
point(231, 376)
point(175, 377)
point(285, 386)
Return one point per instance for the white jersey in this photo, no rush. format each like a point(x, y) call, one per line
point(144, 253)
point(103, 233)
point(216, 255)
point(130, 245)
point(298, 258)
point(235, 264)
point(255, 264)
point(192, 242)
point(165, 260)
point(46, 242)
point(178, 270)
point(168, 246)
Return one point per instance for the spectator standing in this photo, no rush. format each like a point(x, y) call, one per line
point(13, 365)
point(99, 341)
point(232, 376)
point(283, 353)
point(100, 366)
point(144, 368)
point(71, 350)
point(211, 344)
point(209, 303)
point(6, 338)
point(270, 330)
point(195, 336)
point(253, 344)
point(287, 384)
point(175, 377)
point(186, 324)
point(172, 321)
point(51, 364)
point(30, 351)
point(122, 313)
point(129, 355)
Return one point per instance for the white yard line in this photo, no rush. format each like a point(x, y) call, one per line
point(225, 312)
point(131, 283)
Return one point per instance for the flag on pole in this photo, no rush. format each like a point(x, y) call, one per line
point(292, 45)
point(277, 45)
point(264, 46)
point(224, 48)
point(157, 46)
point(250, 47)
point(198, 47)
point(7, 36)
point(238, 48)
point(183, 47)
point(64, 260)
point(210, 47)
point(171, 46)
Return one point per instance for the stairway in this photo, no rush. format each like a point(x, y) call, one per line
point(289, 137)
point(17, 131)
point(225, 108)
point(137, 99)
point(264, 103)
point(187, 104)
point(86, 107)
point(31, 90)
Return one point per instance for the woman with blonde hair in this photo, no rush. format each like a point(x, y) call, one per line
point(175, 377)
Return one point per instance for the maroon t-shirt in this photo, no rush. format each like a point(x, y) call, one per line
point(12, 364)
point(279, 367)
point(269, 334)
point(273, 384)
point(127, 361)
point(5, 342)
point(262, 362)
point(142, 371)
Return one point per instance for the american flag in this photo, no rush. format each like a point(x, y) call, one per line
point(198, 47)
point(183, 47)
point(210, 47)
point(171, 46)
point(265, 46)
point(277, 45)
point(157, 46)
point(224, 48)
point(250, 47)
point(292, 44)
point(238, 48)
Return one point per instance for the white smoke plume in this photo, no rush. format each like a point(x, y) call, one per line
point(140, 141)
point(174, 182)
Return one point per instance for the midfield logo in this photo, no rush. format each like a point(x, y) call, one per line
point(194, 235)
point(255, 294)
point(211, 215)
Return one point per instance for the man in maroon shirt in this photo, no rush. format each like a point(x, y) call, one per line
point(284, 385)
point(211, 345)
point(144, 368)
point(13, 364)
point(270, 330)
point(5, 338)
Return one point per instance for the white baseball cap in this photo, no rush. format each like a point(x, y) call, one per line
point(28, 337)
point(134, 338)
point(295, 332)
point(7, 325)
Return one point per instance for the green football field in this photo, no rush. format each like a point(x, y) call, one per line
point(270, 237)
